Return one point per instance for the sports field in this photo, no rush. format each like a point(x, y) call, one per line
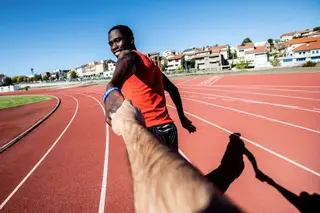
point(19, 100)
point(73, 162)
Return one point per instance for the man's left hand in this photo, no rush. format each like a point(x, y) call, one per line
point(187, 124)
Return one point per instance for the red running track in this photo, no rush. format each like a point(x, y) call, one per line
point(62, 165)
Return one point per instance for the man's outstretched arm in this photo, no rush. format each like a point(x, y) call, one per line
point(176, 98)
point(163, 181)
point(125, 67)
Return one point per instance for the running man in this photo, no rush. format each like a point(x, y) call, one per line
point(141, 81)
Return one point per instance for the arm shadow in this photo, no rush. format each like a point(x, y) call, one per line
point(232, 165)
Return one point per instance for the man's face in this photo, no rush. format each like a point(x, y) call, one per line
point(118, 42)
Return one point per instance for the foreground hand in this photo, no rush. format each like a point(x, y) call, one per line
point(187, 124)
point(125, 115)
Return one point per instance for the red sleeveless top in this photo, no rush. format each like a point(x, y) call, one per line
point(145, 89)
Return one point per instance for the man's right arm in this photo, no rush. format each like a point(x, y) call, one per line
point(125, 67)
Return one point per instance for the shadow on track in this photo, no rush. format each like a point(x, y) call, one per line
point(232, 165)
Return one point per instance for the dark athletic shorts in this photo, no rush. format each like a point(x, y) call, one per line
point(167, 133)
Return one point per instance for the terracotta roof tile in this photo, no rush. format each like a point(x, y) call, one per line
point(310, 46)
point(218, 48)
point(246, 46)
point(288, 34)
point(175, 57)
point(301, 40)
point(258, 49)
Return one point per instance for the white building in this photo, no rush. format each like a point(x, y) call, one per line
point(189, 53)
point(222, 49)
point(109, 69)
point(242, 49)
point(294, 43)
point(175, 61)
point(80, 70)
point(302, 54)
point(257, 57)
point(288, 36)
point(168, 53)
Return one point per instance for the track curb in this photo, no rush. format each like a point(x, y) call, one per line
point(17, 138)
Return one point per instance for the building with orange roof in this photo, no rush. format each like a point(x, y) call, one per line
point(175, 61)
point(242, 49)
point(294, 43)
point(306, 52)
point(257, 57)
point(207, 59)
point(223, 49)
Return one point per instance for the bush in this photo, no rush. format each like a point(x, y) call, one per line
point(275, 62)
point(309, 64)
point(242, 65)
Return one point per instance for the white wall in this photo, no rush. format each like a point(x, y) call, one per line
point(111, 67)
point(174, 64)
point(249, 57)
point(9, 88)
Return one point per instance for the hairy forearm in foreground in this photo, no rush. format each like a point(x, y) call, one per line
point(163, 181)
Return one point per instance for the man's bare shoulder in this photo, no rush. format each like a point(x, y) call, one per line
point(126, 54)
point(128, 59)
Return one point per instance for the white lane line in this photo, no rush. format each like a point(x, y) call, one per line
point(42, 159)
point(264, 88)
point(253, 143)
point(255, 115)
point(185, 81)
point(106, 163)
point(216, 80)
point(208, 81)
point(280, 86)
point(185, 157)
point(255, 93)
point(103, 193)
point(250, 101)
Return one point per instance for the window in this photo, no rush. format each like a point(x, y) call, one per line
point(299, 53)
point(301, 59)
point(304, 53)
point(315, 58)
point(287, 60)
point(317, 51)
point(312, 51)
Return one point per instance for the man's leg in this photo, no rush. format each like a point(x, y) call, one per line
point(167, 133)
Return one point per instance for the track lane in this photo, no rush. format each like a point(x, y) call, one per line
point(302, 94)
point(69, 179)
point(17, 161)
point(119, 193)
point(285, 113)
point(309, 103)
point(303, 144)
point(206, 147)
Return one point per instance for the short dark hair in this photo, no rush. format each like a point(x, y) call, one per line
point(125, 30)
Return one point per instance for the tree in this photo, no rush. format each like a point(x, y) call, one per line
point(14, 79)
point(316, 29)
point(36, 77)
point(52, 78)
point(270, 41)
point(73, 74)
point(7, 81)
point(20, 79)
point(246, 41)
point(45, 78)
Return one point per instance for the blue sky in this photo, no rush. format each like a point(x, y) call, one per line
point(63, 34)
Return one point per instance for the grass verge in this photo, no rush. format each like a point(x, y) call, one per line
point(19, 100)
